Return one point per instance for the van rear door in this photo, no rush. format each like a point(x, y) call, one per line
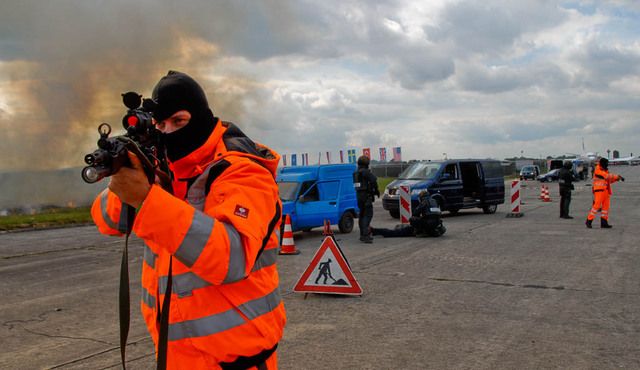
point(493, 182)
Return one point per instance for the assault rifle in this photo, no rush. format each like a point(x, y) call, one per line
point(141, 138)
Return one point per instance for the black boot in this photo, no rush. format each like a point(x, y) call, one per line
point(604, 224)
point(588, 223)
point(366, 239)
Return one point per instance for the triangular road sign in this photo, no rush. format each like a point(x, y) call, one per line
point(328, 272)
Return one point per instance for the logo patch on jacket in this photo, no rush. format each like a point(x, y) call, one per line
point(241, 211)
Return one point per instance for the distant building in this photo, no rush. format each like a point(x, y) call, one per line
point(521, 162)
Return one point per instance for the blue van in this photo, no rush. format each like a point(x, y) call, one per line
point(455, 184)
point(312, 194)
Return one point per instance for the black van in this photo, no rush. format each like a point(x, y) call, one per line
point(455, 184)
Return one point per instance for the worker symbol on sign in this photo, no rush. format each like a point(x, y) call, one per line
point(328, 272)
point(325, 272)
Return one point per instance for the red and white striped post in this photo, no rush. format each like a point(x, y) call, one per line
point(515, 200)
point(405, 203)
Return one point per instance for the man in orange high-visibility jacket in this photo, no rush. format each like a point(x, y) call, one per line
point(601, 188)
point(218, 229)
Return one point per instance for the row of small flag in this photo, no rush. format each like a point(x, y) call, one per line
point(351, 156)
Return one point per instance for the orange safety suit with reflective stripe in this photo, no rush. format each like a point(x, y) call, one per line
point(221, 226)
point(601, 188)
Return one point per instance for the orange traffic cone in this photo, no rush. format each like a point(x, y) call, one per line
point(287, 246)
point(547, 197)
point(327, 229)
point(541, 192)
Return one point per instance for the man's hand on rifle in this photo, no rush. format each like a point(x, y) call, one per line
point(131, 184)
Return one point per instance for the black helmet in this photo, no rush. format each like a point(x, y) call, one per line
point(604, 163)
point(363, 161)
point(567, 164)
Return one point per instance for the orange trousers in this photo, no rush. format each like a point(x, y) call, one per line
point(600, 202)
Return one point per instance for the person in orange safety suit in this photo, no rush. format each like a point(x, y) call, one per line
point(601, 188)
point(215, 235)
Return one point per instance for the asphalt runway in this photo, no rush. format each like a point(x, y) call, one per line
point(536, 292)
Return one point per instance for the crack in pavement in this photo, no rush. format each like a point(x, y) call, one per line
point(115, 348)
point(89, 247)
point(528, 286)
point(12, 324)
point(498, 283)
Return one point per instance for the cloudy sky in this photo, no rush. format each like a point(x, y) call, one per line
point(467, 78)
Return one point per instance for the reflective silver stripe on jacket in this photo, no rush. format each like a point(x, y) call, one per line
point(196, 195)
point(184, 284)
point(260, 306)
point(237, 259)
point(220, 322)
point(103, 209)
point(148, 299)
point(149, 257)
point(196, 238)
point(267, 258)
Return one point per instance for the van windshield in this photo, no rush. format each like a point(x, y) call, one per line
point(287, 190)
point(420, 171)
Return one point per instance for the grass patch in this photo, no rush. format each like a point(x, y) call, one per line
point(383, 182)
point(47, 218)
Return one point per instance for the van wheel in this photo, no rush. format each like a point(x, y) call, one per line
point(453, 211)
point(491, 208)
point(307, 229)
point(394, 213)
point(346, 222)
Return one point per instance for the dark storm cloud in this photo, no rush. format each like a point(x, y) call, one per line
point(348, 29)
point(606, 63)
point(491, 27)
point(421, 65)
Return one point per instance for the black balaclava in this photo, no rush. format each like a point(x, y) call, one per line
point(175, 92)
point(604, 163)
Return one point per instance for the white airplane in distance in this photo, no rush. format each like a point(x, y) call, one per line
point(631, 160)
point(585, 157)
point(591, 156)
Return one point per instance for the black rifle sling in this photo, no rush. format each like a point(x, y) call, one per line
point(164, 322)
point(123, 295)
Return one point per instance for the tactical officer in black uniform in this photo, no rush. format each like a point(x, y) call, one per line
point(425, 222)
point(565, 180)
point(366, 185)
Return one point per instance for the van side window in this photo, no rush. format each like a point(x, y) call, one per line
point(312, 194)
point(329, 189)
point(452, 170)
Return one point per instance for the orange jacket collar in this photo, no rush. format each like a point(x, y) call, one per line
point(195, 163)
